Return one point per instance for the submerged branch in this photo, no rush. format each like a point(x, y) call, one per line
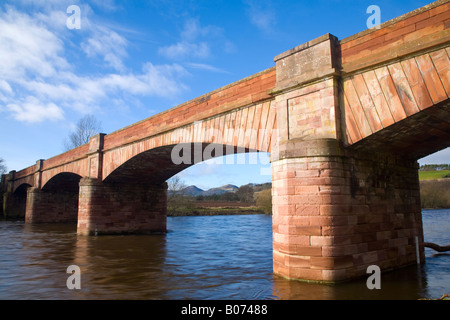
point(436, 247)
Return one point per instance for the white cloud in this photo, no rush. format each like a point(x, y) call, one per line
point(109, 45)
point(183, 50)
point(5, 87)
point(195, 42)
point(155, 80)
point(27, 47)
point(32, 110)
point(207, 67)
point(193, 30)
point(85, 93)
point(37, 82)
point(261, 15)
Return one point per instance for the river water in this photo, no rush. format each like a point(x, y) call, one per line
point(205, 257)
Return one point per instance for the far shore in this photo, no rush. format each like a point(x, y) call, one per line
point(212, 208)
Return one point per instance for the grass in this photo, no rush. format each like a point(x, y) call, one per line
point(432, 175)
point(435, 194)
point(207, 211)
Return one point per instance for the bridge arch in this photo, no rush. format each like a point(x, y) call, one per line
point(16, 203)
point(56, 201)
point(415, 137)
point(133, 197)
point(252, 127)
point(64, 181)
point(156, 165)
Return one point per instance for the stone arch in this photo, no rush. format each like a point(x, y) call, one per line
point(133, 197)
point(147, 167)
point(17, 202)
point(64, 181)
point(57, 201)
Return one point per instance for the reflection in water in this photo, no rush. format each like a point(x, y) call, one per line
point(214, 257)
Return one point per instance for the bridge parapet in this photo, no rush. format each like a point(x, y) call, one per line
point(411, 33)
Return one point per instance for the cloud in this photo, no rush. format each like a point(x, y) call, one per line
point(184, 49)
point(195, 42)
point(40, 78)
point(207, 67)
point(32, 110)
point(193, 30)
point(262, 15)
point(85, 93)
point(157, 80)
point(108, 45)
point(27, 47)
point(106, 4)
point(5, 87)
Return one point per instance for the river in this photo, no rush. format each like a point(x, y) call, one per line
point(204, 257)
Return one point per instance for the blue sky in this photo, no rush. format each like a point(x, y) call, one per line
point(130, 60)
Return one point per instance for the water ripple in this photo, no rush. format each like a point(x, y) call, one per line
point(213, 257)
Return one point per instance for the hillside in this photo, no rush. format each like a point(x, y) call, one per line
point(220, 190)
point(228, 199)
point(192, 191)
point(195, 191)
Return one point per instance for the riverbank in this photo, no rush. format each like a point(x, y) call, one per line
point(214, 212)
point(212, 208)
point(435, 194)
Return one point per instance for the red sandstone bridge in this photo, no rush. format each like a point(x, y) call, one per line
point(344, 120)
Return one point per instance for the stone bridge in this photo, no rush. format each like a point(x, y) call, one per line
point(345, 122)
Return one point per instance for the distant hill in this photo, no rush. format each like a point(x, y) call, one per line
point(192, 191)
point(220, 190)
point(196, 191)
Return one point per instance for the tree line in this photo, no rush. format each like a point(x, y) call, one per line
point(434, 167)
point(256, 194)
point(246, 193)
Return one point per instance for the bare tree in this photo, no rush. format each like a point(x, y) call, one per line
point(3, 168)
point(175, 187)
point(176, 200)
point(87, 127)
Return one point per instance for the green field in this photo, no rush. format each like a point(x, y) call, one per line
point(431, 175)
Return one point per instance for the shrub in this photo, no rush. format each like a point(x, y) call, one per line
point(264, 200)
point(435, 194)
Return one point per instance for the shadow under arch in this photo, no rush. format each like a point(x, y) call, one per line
point(56, 202)
point(64, 181)
point(132, 199)
point(155, 166)
point(392, 155)
point(15, 205)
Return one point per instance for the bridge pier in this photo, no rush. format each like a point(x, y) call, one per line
point(337, 213)
point(44, 206)
point(116, 208)
point(336, 210)
point(13, 203)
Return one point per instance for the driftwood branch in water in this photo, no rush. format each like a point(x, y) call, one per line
point(436, 247)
